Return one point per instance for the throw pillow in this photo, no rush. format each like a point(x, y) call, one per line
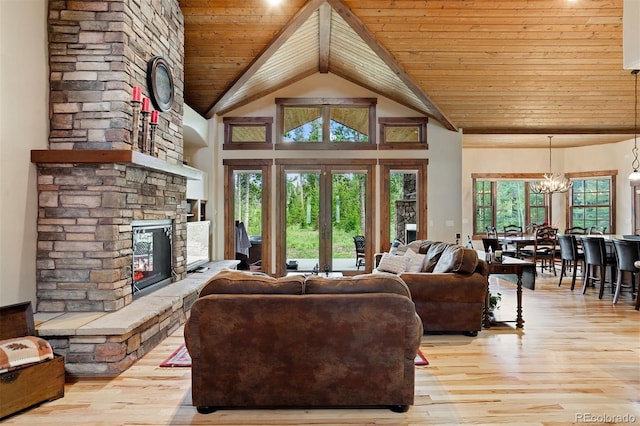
point(416, 261)
point(433, 255)
point(393, 263)
point(394, 246)
point(23, 350)
point(457, 259)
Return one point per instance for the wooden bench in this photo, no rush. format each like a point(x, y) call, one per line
point(24, 386)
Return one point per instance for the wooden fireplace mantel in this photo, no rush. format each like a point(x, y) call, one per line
point(110, 156)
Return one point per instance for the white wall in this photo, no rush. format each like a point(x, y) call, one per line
point(24, 100)
point(444, 153)
point(582, 159)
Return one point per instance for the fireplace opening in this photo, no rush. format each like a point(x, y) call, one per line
point(152, 259)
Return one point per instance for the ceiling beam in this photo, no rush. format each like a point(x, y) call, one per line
point(324, 37)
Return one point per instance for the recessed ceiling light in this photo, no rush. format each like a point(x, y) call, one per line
point(274, 2)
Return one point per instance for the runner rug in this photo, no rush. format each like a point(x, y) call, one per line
point(180, 358)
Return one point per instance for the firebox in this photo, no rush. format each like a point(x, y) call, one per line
point(152, 259)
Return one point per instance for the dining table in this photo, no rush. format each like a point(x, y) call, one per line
point(520, 242)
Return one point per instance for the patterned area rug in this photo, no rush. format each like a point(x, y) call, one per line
point(421, 359)
point(180, 358)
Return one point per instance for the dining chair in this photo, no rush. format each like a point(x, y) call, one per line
point(627, 253)
point(631, 237)
point(492, 243)
point(544, 248)
point(576, 230)
point(570, 256)
point(597, 261)
point(492, 232)
point(359, 242)
point(597, 230)
point(508, 231)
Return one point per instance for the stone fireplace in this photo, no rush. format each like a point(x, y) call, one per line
point(85, 231)
point(406, 210)
point(94, 187)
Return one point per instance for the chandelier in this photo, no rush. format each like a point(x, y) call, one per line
point(551, 183)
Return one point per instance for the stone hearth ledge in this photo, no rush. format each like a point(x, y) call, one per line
point(77, 334)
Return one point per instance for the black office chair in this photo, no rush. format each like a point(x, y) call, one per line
point(627, 253)
point(358, 240)
point(570, 256)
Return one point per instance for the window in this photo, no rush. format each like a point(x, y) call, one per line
point(304, 123)
point(484, 206)
point(404, 133)
point(538, 210)
point(591, 200)
point(500, 200)
point(247, 132)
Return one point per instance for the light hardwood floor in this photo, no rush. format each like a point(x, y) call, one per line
point(576, 361)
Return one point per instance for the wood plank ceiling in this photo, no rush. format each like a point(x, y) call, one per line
point(508, 73)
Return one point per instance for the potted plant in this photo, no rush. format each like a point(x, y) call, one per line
point(494, 301)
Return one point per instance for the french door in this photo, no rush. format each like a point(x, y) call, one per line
point(247, 208)
point(322, 208)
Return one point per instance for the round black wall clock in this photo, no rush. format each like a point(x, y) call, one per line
point(160, 83)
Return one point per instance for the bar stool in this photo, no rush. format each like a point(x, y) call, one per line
point(637, 265)
point(627, 254)
point(597, 260)
point(570, 255)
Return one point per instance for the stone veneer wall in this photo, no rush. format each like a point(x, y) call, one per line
point(85, 237)
point(99, 50)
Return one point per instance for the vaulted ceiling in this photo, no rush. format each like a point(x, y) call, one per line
point(508, 73)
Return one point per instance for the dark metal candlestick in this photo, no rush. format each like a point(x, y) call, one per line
point(144, 139)
point(135, 125)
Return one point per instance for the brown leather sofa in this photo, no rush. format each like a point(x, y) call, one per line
point(450, 287)
point(258, 341)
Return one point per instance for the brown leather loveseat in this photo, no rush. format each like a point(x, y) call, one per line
point(258, 341)
point(448, 283)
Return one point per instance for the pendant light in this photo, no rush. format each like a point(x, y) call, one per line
point(551, 183)
point(634, 177)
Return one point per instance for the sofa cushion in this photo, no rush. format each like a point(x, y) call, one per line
point(457, 259)
point(242, 282)
point(434, 252)
point(392, 263)
point(365, 283)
